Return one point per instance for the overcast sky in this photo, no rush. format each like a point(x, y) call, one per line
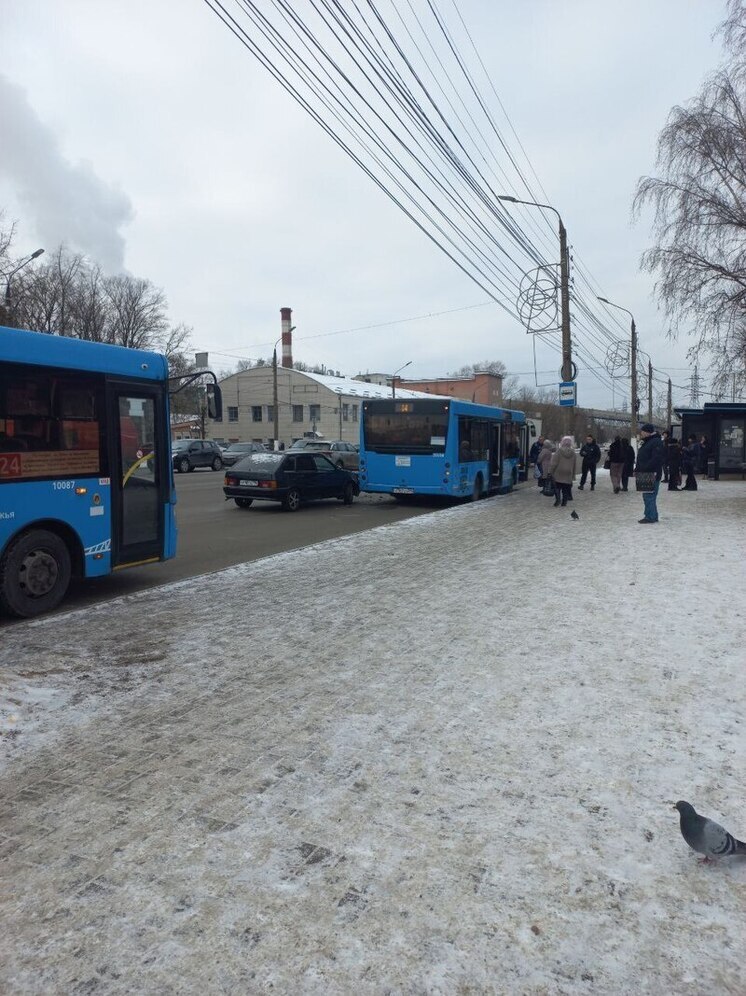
point(142, 133)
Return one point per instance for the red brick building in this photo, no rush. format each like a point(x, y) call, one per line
point(482, 388)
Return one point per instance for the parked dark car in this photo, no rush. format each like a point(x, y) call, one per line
point(187, 454)
point(237, 451)
point(289, 478)
point(340, 453)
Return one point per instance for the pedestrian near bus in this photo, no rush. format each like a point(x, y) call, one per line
point(533, 458)
point(674, 464)
point(704, 454)
point(616, 462)
point(591, 454)
point(629, 463)
point(650, 460)
point(544, 460)
point(690, 462)
point(563, 467)
point(665, 438)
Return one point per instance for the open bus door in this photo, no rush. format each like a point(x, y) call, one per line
point(525, 447)
point(140, 479)
point(496, 456)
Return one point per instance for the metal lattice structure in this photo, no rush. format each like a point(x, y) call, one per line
point(538, 300)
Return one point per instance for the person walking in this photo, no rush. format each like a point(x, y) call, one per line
point(689, 462)
point(674, 464)
point(704, 454)
point(628, 468)
point(650, 461)
point(616, 461)
point(665, 438)
point(563, 467)
point(533, 458)
point(591, 454)
point(544, 460)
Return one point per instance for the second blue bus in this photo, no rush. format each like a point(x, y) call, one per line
point(441, 446)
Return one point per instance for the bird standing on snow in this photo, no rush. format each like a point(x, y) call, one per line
point(705, 836)
point(574, 514)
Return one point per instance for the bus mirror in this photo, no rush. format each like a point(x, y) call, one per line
point(214, 402)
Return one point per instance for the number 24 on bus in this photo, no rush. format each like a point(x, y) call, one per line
point(86, 483)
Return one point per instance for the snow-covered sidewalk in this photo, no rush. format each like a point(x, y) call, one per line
point(438, 757)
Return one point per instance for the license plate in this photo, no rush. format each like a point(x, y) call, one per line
point(403, 491)
point(248, 484)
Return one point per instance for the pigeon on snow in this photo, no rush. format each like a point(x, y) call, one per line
point(574, 515)
point(705, 836)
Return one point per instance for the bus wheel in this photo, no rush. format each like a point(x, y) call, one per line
point(243, 502)
point(477, 492)
point(34, 574)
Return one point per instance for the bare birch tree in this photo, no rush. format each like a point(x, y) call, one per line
point(699, 204)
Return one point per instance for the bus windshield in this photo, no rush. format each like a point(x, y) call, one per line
point(406, 431)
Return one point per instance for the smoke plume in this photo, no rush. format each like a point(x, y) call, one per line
point(65, 202)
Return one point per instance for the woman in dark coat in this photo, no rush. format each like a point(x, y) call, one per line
point(689, 463)
point(629, 462)
point(674, 464)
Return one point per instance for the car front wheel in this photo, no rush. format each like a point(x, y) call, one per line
point(217, 464)
point(183, 465)
point(348, 495)
point(291, 501)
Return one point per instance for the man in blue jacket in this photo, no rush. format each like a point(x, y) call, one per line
point(650, 460)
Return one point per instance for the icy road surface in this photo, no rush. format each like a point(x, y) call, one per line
point(438, 757)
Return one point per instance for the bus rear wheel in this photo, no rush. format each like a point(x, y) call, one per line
point(477, 492)
point(34, 574)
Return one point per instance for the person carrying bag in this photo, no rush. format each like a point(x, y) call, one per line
point(648, 471)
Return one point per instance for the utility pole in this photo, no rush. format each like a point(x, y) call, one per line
point(669, 406)
point(567, 369)
point(275, 408)
point(650, 390)
point(633, 384)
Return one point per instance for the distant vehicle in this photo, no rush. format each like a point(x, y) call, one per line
point(188, 454)
point(237, 451)
point(341, 454)
point(442, 447)
point(290, 478)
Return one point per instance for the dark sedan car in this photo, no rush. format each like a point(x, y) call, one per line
point(237, 451)
point(290, 478)
point(187, 454)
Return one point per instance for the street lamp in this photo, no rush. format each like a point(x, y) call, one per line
point(633, 366)
point(567, 364)
point(24, 262)
point(393, 377)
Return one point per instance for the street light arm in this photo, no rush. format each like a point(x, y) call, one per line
point(516, 200)
point(24, 262)
point(611, 304)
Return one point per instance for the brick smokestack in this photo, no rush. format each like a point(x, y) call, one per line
point(287, 337)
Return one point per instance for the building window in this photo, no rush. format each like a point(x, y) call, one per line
point(233, 413)
point(256, 413)
point(270, 413)
point(314, 412)
point(354, 413)
point(345, 413)
point(297, 413)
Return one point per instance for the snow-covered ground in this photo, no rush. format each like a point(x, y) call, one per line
point(438, 757)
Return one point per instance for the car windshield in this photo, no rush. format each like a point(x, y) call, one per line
point(181, 444)
point(240, 447)
point(310, 444)
point(260, 462)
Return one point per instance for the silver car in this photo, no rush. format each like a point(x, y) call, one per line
point(342, 454)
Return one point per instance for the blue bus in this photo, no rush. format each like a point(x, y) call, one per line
point(86, 482)
point(441, 446)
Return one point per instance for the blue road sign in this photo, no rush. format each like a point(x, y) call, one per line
point(568, 394)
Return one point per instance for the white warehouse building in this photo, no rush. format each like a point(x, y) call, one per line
point(307, 402)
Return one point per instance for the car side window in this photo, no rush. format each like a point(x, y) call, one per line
point(322, 463)
point(305, 463)
point(194, 448)
point(289, 464)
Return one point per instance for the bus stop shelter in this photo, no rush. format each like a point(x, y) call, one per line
point(724, 425)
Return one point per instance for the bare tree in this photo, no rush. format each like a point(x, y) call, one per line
point(495, 367)
point(138, 311)
point(699, 202)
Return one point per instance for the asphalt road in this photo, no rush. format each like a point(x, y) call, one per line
point(214, 533)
